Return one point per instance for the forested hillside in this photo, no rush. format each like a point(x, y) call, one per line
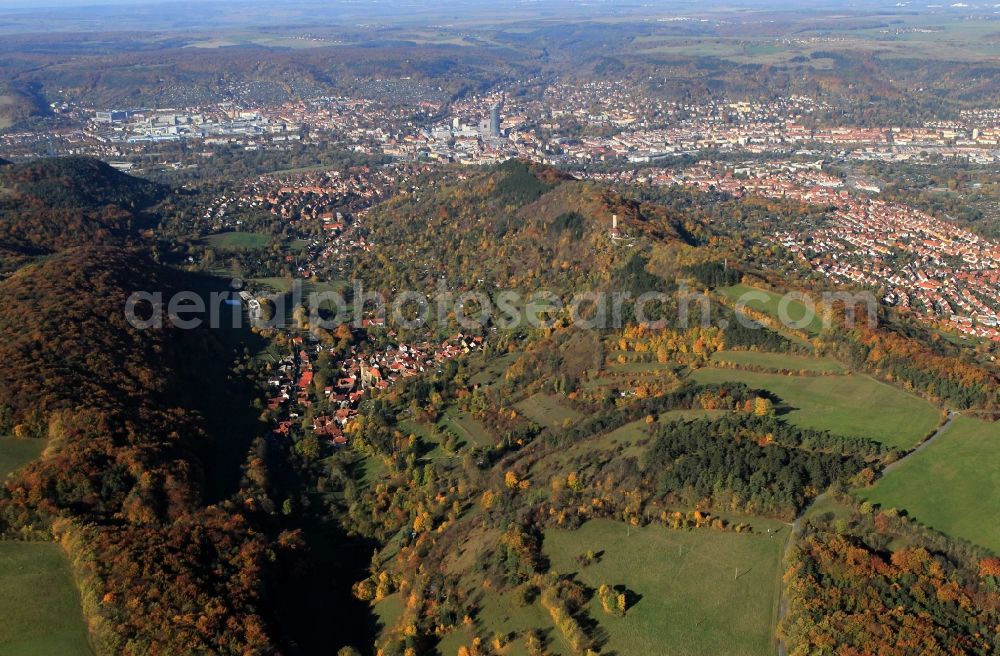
point(52, 204)
point(853, 579)
point(442, 509)
point(122, 482)
point(519, 226)
point(558, 428)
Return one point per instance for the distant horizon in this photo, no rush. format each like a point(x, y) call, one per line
point(671, 4)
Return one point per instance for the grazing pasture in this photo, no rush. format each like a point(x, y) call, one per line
point(771, 304)
point(547, 410)
point(778, 361)
point(237, 241)
point(16, 453)
point(39, 603)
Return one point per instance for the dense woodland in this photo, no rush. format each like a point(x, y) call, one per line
point(854, 579)
point(123, 481)
point(135, 478)
point(51, 205)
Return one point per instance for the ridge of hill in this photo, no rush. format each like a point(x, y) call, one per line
point(519, 226)
point(123, 483)
point(51, 204)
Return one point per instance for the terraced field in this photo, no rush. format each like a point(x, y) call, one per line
point(778, 361)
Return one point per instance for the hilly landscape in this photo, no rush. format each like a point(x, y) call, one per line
point(505, 495)
point(507, 329)
point(124, 423)
point(656, 436)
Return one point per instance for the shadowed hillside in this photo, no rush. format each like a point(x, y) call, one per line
point(47, 205)
point(129, 416)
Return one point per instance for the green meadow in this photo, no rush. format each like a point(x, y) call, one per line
point(237, 241)
point(953, 485)
point(491, 369)
point(778, 361)
point(389, 610)
point(699, 592)
point(16, 453)
point(770, 303)
point(502, 613)
point(39, 604)
point(467, 428)
point(851, 405)
point(547, 410)
point(284, 285)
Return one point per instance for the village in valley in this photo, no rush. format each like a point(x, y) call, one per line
point(316, 379)
point(345, 379)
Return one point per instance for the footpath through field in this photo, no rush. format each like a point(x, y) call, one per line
point(797, 524)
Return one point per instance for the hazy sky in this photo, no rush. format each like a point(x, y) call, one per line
point(42, 4)
point(39, 4)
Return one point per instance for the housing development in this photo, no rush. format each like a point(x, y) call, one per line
point(944, 274)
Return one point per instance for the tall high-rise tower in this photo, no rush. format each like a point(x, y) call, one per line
point(495, 120)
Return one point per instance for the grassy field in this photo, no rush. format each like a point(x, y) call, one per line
point(547, 410)
point(284, 285)
point(700, 592)
point(467, 428)
point(237, 241)
point(828, 508)
point(502, 613)
point(953, 485)
point(431, 446)
point(372, 470)
point(39, 603)
point(850, 405)
point(16, 453)
point(389, 610)
point(493, 369)
point(641, 367)
point(464, 426)
point(795, 310)
point(778, 361)
point(625, 374)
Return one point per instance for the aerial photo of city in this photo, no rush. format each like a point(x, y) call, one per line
point(521, 328)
